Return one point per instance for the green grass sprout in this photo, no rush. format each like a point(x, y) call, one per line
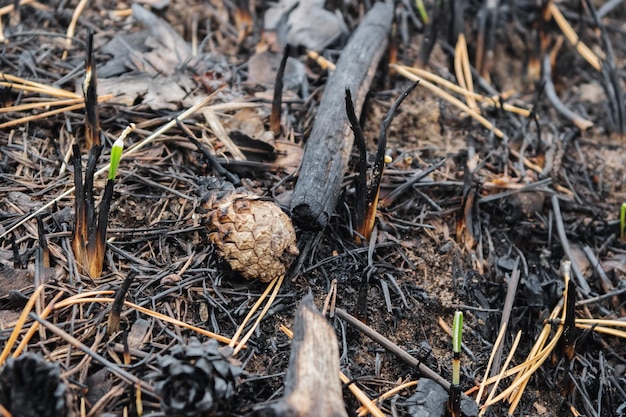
point(457, 337)
point(116, 151)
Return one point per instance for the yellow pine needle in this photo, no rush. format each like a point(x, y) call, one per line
point(72, 26)
point(362, 411)
point(36, 89)
point(572, 37)
point(428, 76)
point(14, 82)
point(463, 71)
point(8, 9)
point(496, 345)
point(602, 322)
point(253, 310)
point(509, 357)
point(40, 104)
point(247, 336)
point(79, 300)
point(20, 323)
point(39, 116)
point(537, 356)
point(356, 391)
point(603, 330)
point(450, 99)
point(29, 334)
point(321, 61)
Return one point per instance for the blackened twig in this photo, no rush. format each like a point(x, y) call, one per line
point(560, 227)
point(92, 119)
point(359, 139)
point(278, 93)
point(210, 158)
point(113, 323)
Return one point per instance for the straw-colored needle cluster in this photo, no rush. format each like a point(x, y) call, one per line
point(254, 236)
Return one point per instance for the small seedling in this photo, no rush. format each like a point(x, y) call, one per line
point(89, 239)
point(454, 402)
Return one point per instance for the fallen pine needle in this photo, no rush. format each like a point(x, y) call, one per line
point(450, 99)
point(278, 284)
point(362, 411)
point(20, 323)
point(148, 312)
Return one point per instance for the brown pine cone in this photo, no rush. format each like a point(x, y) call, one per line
point(254, 236)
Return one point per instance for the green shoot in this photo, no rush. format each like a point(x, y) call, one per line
point(116, 152)
point(422, 11)
point(457, 337)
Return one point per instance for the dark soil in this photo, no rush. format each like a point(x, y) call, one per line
point(450, 241)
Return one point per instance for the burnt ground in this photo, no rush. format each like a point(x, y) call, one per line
point(449, 241)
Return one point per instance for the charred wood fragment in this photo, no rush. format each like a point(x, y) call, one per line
point(328, 148)
point(312, 384)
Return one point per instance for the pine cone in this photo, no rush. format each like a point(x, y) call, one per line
point(32, 387)
point(197, 380)
point(254, 236)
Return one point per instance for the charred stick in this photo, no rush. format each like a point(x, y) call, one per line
point(97, 249)
point(560, 227)
point(90, 207)
point(328, 148)
point(393, 348)
point(578, 121)
point(79, 239)
point(361, 180)
point(312, 386)
point(92, 120)
point(277, 100)
point(373, 192)
point(210, 158)
point(43, 243)
point(113, 323)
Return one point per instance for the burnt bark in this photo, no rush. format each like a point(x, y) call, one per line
point(328, 148)
point(312, 384)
